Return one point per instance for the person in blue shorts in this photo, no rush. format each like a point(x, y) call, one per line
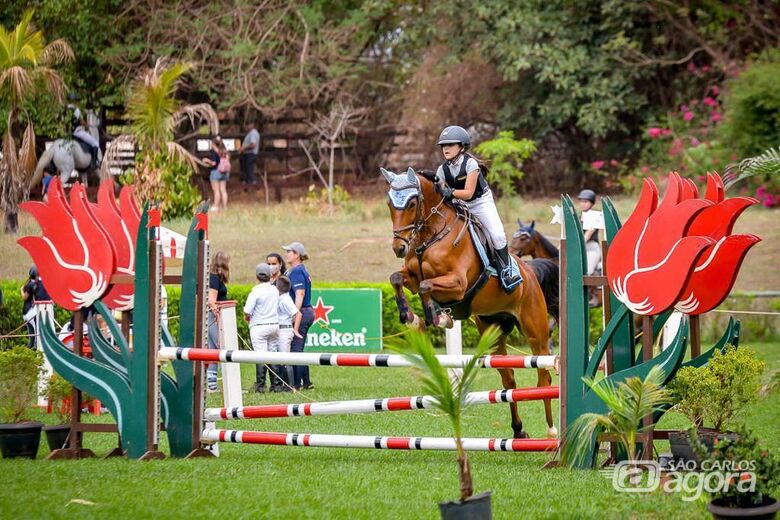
point(300, 292)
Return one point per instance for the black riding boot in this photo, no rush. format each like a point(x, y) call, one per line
point(510, 278)
point(94, 153)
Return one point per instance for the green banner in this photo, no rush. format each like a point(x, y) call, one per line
point(345, 320)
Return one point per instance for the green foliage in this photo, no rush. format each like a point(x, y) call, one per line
point(628, 403)
point(19, 369)
point(745, 463)
point(506, 155)
point(450, 395)
point(178, 194)
point(57, 392)
point(753, 107)
point(719, 391)
point(11, 321)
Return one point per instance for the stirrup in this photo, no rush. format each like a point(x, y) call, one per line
point(510, 278)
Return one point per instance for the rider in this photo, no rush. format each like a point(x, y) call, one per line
point(81, 134)
point(461, 177)
point(587, 199)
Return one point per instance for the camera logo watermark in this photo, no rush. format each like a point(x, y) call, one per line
point(644, 476)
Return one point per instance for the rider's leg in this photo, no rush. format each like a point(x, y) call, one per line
point(593, 252)
point(485, 210)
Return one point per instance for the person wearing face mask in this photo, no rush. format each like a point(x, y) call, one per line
point(277, 265)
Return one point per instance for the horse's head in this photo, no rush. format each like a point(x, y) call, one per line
point(405, 198)
point(523, 239)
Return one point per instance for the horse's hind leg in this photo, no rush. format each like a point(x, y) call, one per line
point(398, 280)
point(535, 328)
point(507, 381)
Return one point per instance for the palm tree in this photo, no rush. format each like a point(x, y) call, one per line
point(450, 394)
point(765, 165)
point(154, 114)
point(628, 403)
point(26, 69)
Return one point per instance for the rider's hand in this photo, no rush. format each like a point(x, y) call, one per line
point(446, 191)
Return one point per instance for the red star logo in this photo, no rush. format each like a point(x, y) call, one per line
point(321, 311)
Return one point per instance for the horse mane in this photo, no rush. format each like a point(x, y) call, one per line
point(548, 246)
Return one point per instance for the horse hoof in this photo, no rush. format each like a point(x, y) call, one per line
point(445, 321)
point(552, 432)
point(521, 435)
point(416, 323)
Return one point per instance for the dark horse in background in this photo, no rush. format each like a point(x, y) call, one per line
point(527, 241)
point(443, 266)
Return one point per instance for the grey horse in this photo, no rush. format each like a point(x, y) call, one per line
point(68, 156)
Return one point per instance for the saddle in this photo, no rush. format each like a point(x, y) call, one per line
point(87, 149)
point(486, 251)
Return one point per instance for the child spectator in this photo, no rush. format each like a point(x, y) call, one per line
point(260, 310)
point(278, 267)
point(287, 314)
point(32, 291)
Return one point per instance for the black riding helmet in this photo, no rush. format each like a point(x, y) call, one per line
point(455, 135)
point(33, 273)
point(587, 195)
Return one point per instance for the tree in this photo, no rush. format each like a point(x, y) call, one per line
point(26, 69)
point(154, 114)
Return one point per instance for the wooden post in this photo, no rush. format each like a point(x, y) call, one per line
point(695, 336)
point(562, 335)
point(647, 355)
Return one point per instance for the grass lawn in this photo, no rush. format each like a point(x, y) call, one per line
point(289, 482)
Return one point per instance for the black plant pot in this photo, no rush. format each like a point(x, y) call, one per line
point(57, 435)
point(473, 508)
point(681, 447)
point(766, 511)
point(20, 439)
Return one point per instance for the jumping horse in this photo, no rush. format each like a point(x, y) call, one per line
point(442, 265)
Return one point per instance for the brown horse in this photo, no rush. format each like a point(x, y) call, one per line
point(442, 265)
point(527, 241)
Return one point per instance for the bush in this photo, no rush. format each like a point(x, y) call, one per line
point(506, 155)
point(166, 180)
point(57, 392)
point(19, 369)
point(752, 104)
point(717, 392)
point(11, 321)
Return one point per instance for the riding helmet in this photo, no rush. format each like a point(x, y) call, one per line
point(587, 195)
point(33, 273)
point(455, 134)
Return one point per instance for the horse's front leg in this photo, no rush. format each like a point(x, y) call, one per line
point(399, 280)
point(449, 287)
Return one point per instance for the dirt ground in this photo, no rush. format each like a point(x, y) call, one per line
point(354, 243)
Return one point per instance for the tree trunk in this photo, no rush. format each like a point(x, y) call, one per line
point(11, 222)
point(464, 470)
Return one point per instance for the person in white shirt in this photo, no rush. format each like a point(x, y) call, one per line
point(260, 310)
point(287, 312)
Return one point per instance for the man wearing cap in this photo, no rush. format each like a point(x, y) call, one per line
point(300, 292)
point(260, 310)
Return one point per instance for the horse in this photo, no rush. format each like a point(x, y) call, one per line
point(442, 265)
point(67, 156)
point(527, 241)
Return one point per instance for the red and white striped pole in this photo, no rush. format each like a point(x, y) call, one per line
point(379, 443)
point(390, 404)
point(347, 360)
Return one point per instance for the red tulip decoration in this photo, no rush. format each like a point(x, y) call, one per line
point(716, 271)
point(680, 253)
point(122, 227)
point(75, 255)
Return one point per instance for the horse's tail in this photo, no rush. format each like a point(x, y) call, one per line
point(547, 273)
point(46, 158)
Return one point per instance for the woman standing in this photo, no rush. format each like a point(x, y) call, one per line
point(219, 161)
point(300, 292)
point(278, 267)
point(219, 275)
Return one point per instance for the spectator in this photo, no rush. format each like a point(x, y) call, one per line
point(261, 311)
point(288, 313)
point(587, 200)
point(219, 161)
point(250, 147)
point(300, 293)
point(32, 291)
point(219, 275)
point(278, 267)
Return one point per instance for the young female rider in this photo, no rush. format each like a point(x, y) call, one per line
point(460, 177)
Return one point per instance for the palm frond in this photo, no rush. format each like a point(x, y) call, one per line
point(54, 83)
point(179, 153)
point(201, 113)
point(27, 157)
point(17, 80)
point(113, 153)
point(58, 51)
point(764, 165)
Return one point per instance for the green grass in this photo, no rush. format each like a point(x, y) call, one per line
point(288, 482)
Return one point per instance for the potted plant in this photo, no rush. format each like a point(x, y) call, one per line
point(58, 392)
point(714, 395)
point(450, 395)
point(749, 474)
point(19, 370)
point(628, 403)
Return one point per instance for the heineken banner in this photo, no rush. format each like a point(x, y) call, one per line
point(345, 320)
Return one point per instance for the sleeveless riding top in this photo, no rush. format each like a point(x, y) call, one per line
point(457, 180)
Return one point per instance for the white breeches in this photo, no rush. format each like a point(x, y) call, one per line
point(484, 208)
